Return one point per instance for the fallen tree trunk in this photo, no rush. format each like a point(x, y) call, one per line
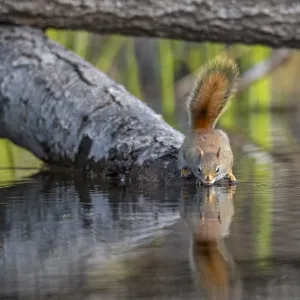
point(69, 114)
point(269, 22)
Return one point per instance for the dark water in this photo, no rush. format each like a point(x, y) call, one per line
point(73, 238)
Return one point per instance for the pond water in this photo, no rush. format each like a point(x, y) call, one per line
point(76, 238)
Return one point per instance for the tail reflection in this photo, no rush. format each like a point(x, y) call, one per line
point(208, 216)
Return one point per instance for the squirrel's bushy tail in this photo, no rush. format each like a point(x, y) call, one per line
point(217, 82)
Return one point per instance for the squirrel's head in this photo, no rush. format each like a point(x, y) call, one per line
point(209, 168)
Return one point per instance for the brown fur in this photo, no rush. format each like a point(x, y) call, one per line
point(207, 140)
point(212, 263)
point(212, 92)
point(209, 255)
point(206, 151)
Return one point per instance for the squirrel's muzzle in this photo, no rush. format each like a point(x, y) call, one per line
point(208, 180)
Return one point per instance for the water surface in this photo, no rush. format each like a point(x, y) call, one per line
point(75, 238)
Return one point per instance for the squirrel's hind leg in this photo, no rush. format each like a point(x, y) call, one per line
point(231, 177)
point(185, 173)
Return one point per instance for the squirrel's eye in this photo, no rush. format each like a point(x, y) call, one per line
point(199, 170)
point(217, 169)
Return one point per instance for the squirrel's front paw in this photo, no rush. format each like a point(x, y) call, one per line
point(185, 173)
point(231, 178)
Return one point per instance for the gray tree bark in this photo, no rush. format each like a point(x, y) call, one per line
point(275, 23)
point(69, 114)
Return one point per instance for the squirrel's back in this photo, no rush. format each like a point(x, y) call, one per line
point(212, 91)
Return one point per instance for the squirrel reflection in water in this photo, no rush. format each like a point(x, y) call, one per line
point(208, 215)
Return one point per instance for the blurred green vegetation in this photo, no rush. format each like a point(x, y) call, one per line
point(15, 163)
point(172, 60)
point(262, 217)
point(127, 60)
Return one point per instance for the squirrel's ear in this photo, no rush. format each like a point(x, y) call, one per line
point(218, 153)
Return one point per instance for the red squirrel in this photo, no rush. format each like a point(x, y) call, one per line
point(206, 151)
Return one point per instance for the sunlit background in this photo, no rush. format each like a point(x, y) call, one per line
point(160, 72)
